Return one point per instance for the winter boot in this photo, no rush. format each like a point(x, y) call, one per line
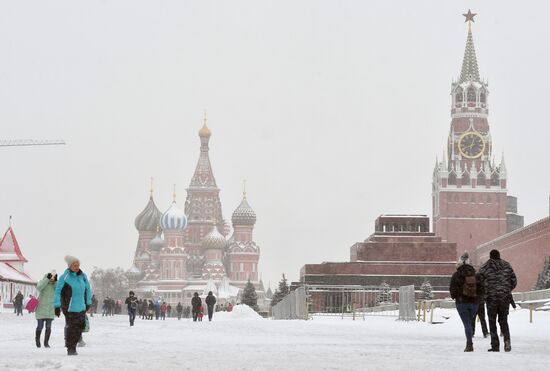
point(71, 352)
point(81, 343)
point(469, 347)
point(507, 346)
point(47, 338)
point(37, 338)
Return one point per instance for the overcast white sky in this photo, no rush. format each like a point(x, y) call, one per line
point(333, 111)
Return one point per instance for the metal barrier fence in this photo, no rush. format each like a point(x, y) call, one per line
point(345, 301)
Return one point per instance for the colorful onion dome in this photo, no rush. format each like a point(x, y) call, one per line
point(148, 219)
point(173, 218)
point(243, 214)
point(213, 240)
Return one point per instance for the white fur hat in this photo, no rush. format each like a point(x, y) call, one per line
point(70, 260)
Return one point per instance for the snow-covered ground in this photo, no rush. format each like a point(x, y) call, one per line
point(243, 341)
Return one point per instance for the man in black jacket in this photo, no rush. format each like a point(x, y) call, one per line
point(132, 303)
point(210, 301)
point(500, 280)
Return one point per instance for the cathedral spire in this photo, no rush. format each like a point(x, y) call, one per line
point(470, 70)
point(204, 176)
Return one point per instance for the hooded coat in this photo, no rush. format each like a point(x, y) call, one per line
point(499, 278)
point(46, 290)
point(72, 292)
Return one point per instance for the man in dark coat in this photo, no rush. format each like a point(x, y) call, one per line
point(466, 288)
point(132, 303)
point(18, 303)
point(210, 302)
point(500, 280)
point(179, 309)
point(196, 303)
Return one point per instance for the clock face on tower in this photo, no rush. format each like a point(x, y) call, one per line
point(471, 145)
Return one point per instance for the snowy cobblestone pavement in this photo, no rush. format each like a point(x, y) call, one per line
point(242, 342)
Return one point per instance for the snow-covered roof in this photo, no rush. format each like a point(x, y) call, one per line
point(9, 248)
point(9, 273)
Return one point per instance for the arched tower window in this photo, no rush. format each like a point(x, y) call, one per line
point(459, 95)
point(471, 95)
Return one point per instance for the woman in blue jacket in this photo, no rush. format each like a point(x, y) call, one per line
point(73, 296)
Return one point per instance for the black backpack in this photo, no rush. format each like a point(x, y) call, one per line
point(469, 289)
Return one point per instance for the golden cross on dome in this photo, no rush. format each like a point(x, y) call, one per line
point(244, 189)
point(151, 190)
point(469, 16)
point(174, 194)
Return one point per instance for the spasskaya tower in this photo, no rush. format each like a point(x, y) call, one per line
point(468, 190)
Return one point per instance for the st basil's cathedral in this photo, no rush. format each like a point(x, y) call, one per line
point(180, 252)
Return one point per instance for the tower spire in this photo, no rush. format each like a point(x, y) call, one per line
point(151, 189)
point(244, 189)
point(470, 70)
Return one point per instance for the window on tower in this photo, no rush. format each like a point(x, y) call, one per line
point(459, 95)
point(495, 179)
point(481, 179)
point(482, 96)
point(471, 95)
point(452, 178)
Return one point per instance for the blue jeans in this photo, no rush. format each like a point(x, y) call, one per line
point(132, 315)
point(41, 322)
point(467, 312)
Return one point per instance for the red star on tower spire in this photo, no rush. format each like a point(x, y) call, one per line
point(469, 16)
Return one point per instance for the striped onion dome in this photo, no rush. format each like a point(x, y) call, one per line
point(173, 218)
point(148, 219)
point(213, 240)
point(243, 214)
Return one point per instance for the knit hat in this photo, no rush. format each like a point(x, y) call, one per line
point(494, 254)
point(464, 259)
point(70, 260)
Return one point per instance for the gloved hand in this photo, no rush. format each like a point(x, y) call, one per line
point(87, 307)
point(49, 276)
point(57, 312)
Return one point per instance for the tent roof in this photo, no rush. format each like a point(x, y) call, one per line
point(9, 248)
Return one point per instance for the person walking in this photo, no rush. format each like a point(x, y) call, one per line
point(73, 296)
point(196, 303)
point(466, 288)
point(18, 303)
point(45, 312)
point(210, 302)
point(157, 309)
point(132, 304)
point(500, 280)
point(150, 310)
point(163, 309)
point(93, 309)
point(481, 315)
point(179, 309)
